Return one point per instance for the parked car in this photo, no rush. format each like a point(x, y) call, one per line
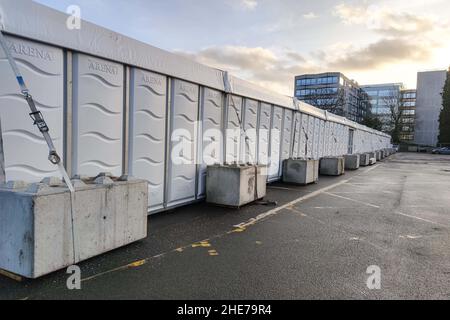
point(436, 151)
point(445, 150)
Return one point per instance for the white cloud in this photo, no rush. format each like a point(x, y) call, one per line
point(310, 15)
point(401, 39)
point(385, 20)
point(404, 36)
point(272, 70)
point(243, 4)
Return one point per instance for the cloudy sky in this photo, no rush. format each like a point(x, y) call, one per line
point(270, 41)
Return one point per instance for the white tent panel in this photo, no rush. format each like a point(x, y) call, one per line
point(286, 146)
point(326, 139)
point(310, 137)
point(335, 140)
point(183, 133)
point(296, 133)
point(148, 132)
point(321, 139)
point(211, 143)
point(359, 145)
point(265, 116)
point(303, 136)
point(317, 137)
point(233, 129)
point(275, 143)
point(340, 140)
point(249, 141)
point(26, 153)
point(345, 140)
point(98, 116)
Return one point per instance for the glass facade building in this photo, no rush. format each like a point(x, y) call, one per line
point(382, 97)
point(333, 92)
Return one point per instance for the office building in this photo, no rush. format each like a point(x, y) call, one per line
point(408, 109)
point(383, 97)
point(430, 85)
point(333, 92)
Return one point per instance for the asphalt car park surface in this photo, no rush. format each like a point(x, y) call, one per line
point(316, 243)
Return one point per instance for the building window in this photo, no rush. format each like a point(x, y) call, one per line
point(386, 93)
point(317, 81)
point(409, 104)
point(409, 112)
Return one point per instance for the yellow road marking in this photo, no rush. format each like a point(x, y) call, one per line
point(137, 264)
point(202, 244)
point(213, 253)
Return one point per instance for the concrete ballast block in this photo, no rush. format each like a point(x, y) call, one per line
point(378, 155)
point(235, 185)
point(372, 158)
point(364, 160)
point(300, 172)
point(332, 166)
point(36, 234)
point(352, 162)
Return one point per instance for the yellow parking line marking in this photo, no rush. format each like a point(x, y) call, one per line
point(137, 264)
point(213, 253)
point(202, 244)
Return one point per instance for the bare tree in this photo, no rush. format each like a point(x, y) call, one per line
point(333, 102)
point(392, 121)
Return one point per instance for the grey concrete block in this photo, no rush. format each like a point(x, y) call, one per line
point(235, 185)
point(300, 172)
point(36, 235)
point(261, 181)
point(53, 182)
point(352, 162)
point(372, 158)
point(332, 166)
point(364, 160)
point(103, 180)
point(78, 184)
point(378, 155)
point(16, 185)
point(38, 188)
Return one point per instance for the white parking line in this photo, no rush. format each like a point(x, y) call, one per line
point(421, 219)
point(349, 199)
point(281, 188)
point(275, 211)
